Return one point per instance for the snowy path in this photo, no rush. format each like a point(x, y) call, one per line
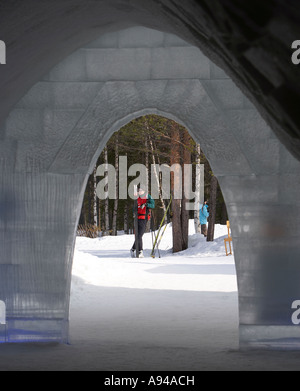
point(178, 312)
point(154, 312)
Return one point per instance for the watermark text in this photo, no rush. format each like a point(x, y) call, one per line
point(296, 53)
point(296, 314)
point(2, 53)
point(159, 178)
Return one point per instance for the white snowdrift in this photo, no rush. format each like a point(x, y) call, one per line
point(178, 312)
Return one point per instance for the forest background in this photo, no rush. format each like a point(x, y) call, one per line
point(150, 140)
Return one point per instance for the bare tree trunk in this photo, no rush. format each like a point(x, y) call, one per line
point(90, 201)
point(95, 211)
point(99, 215)
point(147, 169)
point(156, 174)
point(106, 201)
point(147, 159)
point(212, 209)
point(126, 230)
point(197, 190)
point(186, 154)
point(115, 211)
point(175, 184)
point(224, 216)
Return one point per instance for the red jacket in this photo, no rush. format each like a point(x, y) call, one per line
point(142, 211)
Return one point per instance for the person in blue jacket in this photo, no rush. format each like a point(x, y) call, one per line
point(204, 214)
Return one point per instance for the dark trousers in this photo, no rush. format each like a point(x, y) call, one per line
point(204, 229)
point(141, 230)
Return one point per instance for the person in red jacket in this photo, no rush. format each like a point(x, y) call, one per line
point(145, 202)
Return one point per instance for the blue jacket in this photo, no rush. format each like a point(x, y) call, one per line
point(203, 214)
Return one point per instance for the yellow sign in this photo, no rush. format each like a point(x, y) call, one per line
point(228, 240)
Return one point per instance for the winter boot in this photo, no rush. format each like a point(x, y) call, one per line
point(132, 251)
point(141, 254)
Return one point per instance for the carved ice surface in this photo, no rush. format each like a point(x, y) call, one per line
point(2, 53)
point(52, 139)
point(2, 312)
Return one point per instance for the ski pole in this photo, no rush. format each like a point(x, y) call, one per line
point(151, 228)
point(162, 235)
point(153, 234)
point(157, 251)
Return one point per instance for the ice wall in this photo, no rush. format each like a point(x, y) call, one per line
point(51, 141)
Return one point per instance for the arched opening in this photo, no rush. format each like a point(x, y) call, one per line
point(56, 132)
point(148, 141)
point(167, 301)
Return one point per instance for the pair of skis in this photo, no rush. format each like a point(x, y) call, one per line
point(159, 235)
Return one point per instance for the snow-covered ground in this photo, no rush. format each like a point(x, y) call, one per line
point(176, 312)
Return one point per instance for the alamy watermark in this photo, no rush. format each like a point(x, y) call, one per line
point(296, 314)
point(160, 181)
point(2, 312)
point(2, 53)
point(296, 53)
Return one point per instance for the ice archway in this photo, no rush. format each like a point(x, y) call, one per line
point(50, 143)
